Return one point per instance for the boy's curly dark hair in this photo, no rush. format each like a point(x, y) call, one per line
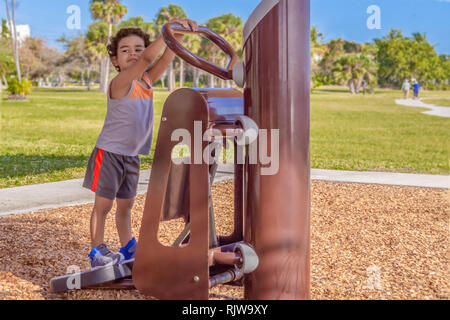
point(113, 47)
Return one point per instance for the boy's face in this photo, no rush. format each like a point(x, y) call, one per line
point(129, 50)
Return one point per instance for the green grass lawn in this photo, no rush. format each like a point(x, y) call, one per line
point(50, 137)
point(441, 102)
point(371, 132)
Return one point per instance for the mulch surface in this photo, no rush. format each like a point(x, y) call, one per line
point(367, 242)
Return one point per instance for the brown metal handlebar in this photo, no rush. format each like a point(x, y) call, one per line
point(170, 28)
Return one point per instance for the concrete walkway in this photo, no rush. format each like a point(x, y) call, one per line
point(70, 193)
point(435, 110)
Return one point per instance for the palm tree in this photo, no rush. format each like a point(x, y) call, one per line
point(194, 44)
point(138, 22)
point(164, 15)
point(96, 39)
point(354, 68)
point(111, 12)
point(230, 27)
point(14, 42)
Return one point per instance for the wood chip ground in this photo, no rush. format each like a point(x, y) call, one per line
point(367, 242)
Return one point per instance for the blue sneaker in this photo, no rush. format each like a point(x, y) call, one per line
point(129, 250)
point(101, 256)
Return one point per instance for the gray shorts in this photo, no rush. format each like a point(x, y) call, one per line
point(111, 175)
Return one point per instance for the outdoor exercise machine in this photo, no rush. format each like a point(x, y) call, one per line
point(270, 243)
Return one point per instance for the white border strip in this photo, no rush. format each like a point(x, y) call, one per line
point(257, 15)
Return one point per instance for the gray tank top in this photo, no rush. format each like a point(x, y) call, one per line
point(128, 127)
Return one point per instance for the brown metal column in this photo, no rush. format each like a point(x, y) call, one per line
point(277, 207)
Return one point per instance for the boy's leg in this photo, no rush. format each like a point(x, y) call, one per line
point(125, 198)
point(102, 206)
point(123, 219)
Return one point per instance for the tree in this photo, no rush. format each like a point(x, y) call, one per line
point(96, 39)
point(164, 15)
point(230, 28)
point(6, 33)
point(14, 42)
point(6, 61)
point(194, 45)
point(38, 60)
point(138, 22)
point(401, 57)
point(354, 68)
point(317, 52)
point(443, 71)
point(332, 51)
point(80, 56)
point(111, 12)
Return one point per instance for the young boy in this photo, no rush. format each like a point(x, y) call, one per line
point(113, 168)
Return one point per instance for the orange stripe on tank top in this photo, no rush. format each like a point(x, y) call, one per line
point(98, 166)
point(141, 93)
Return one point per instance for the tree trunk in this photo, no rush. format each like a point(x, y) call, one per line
point(223, 83)
point(196, 77)
point(16, 47)
point(212, 79)
point(171, 80)
point(359, 84)
point(181, 73)
point(88, 76)
point(102, 75)
point(107, 64)
point(12, 29)
point(351, 85)
point(163, 79)
point(62, 79)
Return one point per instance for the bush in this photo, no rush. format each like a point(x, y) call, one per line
point(19, 90)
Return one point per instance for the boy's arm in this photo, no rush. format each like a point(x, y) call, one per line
point(158, 69)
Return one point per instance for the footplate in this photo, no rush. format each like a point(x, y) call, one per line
point(91, 278)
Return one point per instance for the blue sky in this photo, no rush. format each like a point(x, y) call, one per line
point(334, 18)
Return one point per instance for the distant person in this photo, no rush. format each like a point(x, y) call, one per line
point(416, 88)
point(113, 168)
point(405, 88)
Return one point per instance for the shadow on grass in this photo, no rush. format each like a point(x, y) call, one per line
point(64, 90)
point(21, 165)
point(332, 90)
